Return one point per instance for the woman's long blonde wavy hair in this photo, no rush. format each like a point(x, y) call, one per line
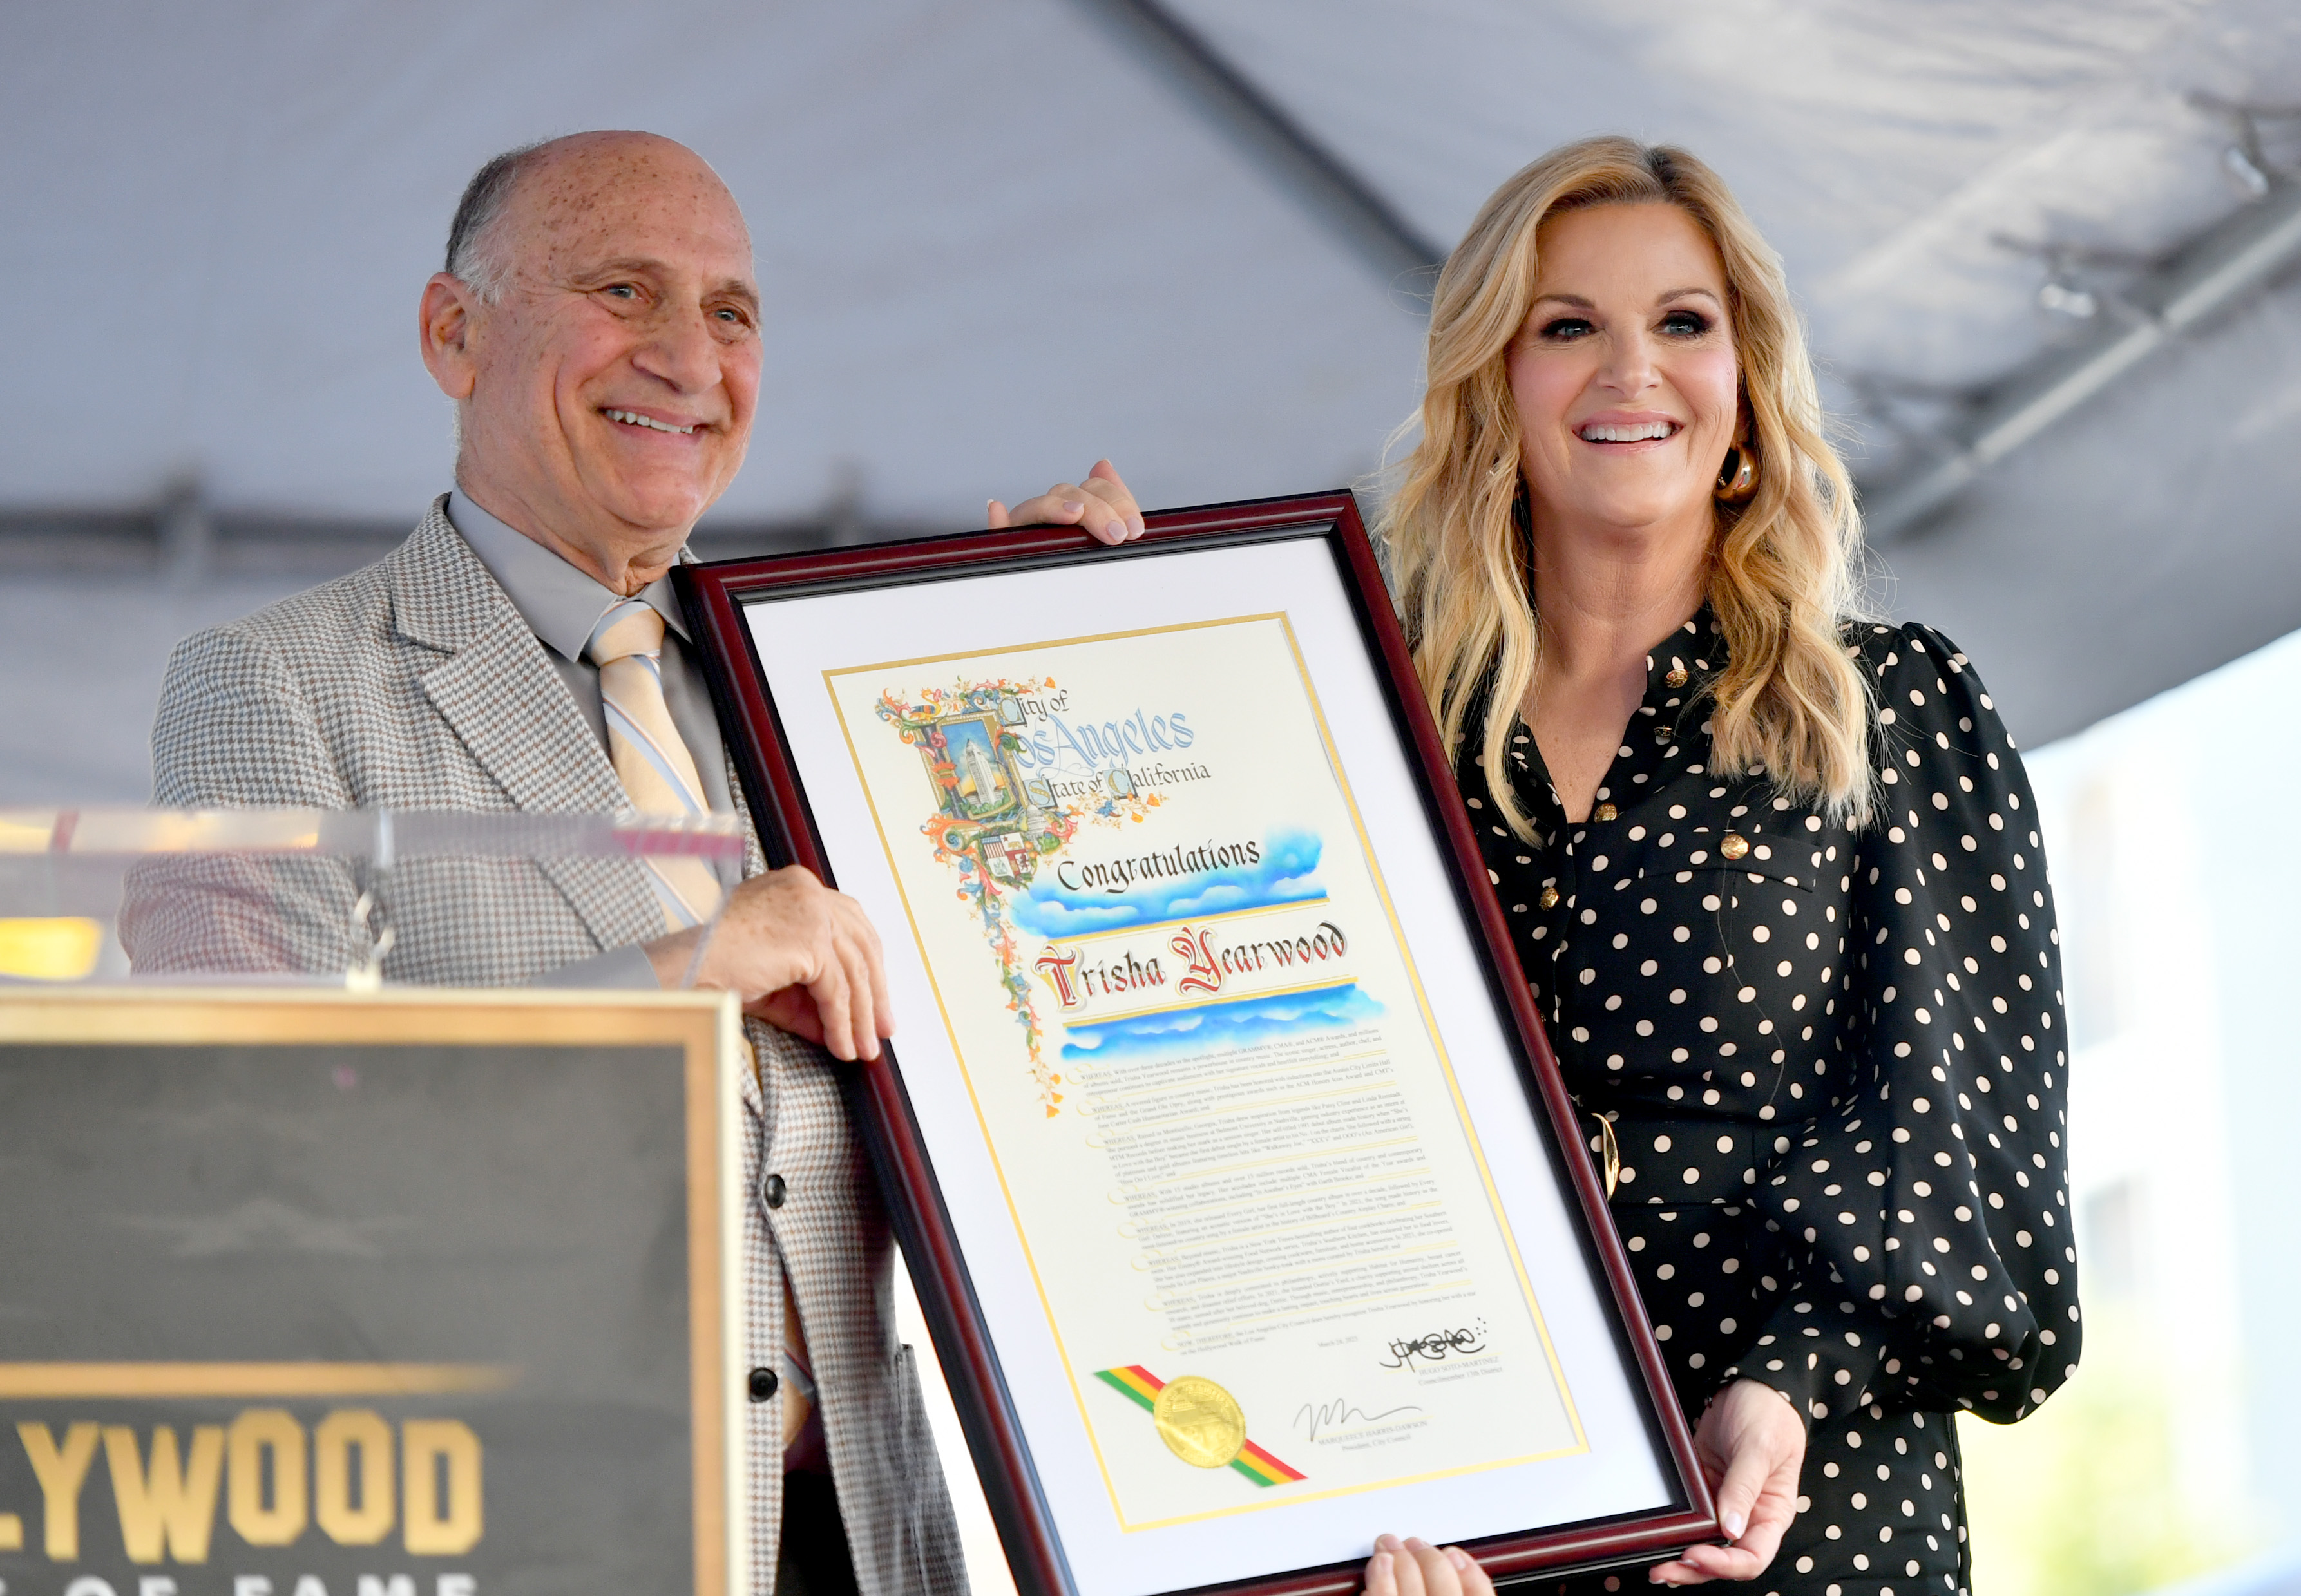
point(1781, 581)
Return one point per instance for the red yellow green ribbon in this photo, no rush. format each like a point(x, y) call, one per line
point(1143, 1387)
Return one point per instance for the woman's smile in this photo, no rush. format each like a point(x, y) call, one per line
point(1628, 433)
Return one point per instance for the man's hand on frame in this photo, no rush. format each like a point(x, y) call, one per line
point(1100, 504)
point(801, 956)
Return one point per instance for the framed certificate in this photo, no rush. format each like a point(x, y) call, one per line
point(1237, 1181)
point(411, 1292)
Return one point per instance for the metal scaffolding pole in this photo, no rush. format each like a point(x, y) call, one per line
point(2239, 255)
point(1263, 130)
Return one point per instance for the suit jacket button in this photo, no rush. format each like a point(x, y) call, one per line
point(775, 1191)
point(763, 1384)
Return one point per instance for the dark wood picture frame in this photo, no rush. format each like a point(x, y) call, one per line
point(715, 595)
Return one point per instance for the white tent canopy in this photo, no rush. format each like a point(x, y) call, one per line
point(1000, 238)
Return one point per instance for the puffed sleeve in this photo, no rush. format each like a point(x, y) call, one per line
point(1933, 1194)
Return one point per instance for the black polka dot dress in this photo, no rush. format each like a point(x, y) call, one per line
point(1834, 1062)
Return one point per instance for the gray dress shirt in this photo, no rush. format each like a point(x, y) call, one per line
point(562, 605)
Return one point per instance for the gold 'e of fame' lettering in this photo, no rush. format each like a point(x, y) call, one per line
point(1199, 1422)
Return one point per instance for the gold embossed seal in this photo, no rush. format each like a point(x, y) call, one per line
point(1199, 1422)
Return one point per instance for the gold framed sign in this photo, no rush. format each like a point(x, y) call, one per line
point(429, 1293)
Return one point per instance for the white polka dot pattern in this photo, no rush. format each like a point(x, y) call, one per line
point(1835, 1064)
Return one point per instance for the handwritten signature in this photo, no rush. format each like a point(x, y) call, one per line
point(1435, 1347)
point(1317, 1417)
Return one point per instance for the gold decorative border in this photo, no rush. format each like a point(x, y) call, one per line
point(248, 1382)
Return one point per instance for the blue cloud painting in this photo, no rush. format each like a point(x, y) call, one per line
point(1215, 1026)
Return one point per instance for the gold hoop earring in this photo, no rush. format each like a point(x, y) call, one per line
point(1737, 475)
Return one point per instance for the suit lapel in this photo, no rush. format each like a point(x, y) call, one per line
point(755, 856)
point(514, 713)
point(499, 693)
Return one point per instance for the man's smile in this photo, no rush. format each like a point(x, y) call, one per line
point(632, 418)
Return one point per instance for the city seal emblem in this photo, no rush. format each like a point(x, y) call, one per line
point(1199, 1422)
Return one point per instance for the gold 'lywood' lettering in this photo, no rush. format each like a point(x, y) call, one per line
point(272, 1480)
point(170, 1508)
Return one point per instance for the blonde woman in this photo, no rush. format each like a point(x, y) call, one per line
point(1773, 872)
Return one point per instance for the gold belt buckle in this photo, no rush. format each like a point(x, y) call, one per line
point(1609, 1155)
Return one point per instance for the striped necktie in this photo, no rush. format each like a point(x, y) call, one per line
point(658, 774)
point(654, 764)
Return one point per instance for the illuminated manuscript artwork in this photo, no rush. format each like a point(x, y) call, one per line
point(1258, 1218)
point(992, 825)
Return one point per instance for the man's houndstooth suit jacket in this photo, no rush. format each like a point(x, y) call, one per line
point(415, 684)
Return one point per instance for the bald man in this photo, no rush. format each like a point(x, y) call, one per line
point(597, 328)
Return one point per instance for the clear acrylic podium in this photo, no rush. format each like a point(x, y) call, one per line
point(299, 896)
